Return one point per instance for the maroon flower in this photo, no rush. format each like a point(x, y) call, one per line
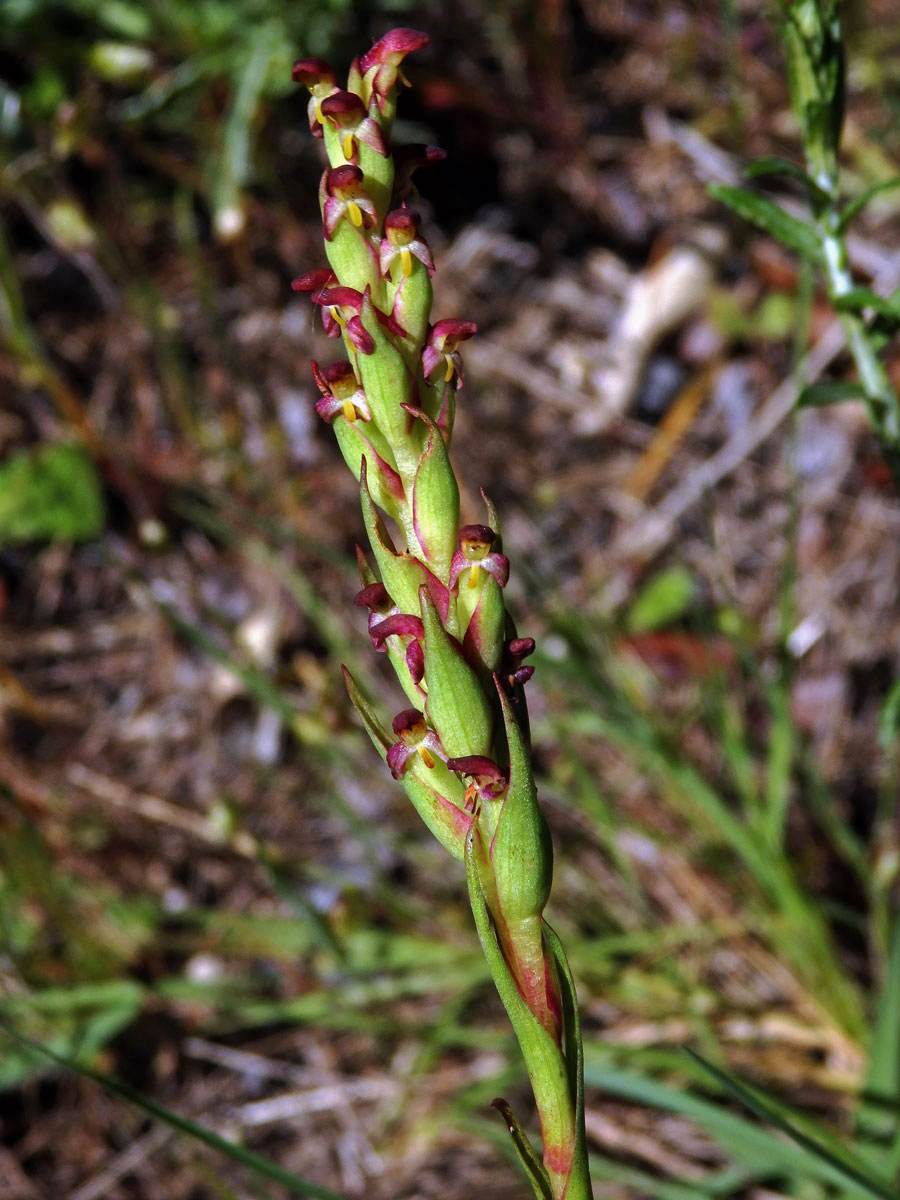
point(345, 197)
point(316, 75)
point(474, 554)
point(414, 738)
point(319, 284)
point(345, 305)
point(376, 599)
point(347, 113)
point(342, 394)
point(486, 780)
point(442, 346)
point(397, 625)
point(401, 238)
point(384, 59)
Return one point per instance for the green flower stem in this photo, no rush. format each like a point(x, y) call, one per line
point(813, 39)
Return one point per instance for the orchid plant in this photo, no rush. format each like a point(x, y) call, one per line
point(435, 596)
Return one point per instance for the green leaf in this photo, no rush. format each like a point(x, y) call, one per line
point(882, 1085)
point(521, 846)
point(580, 1175)
point(859, 298)
point(666, 598)
point(435, 499)
point(381, 739)
point(547, 1068)
point(858, 203)
point(790, 231)
point(820, 1144)
point(456, 704)
point(817, 395)
point(746, 1141)
point(775, 165)
point(50, 493)
point(254, 1162)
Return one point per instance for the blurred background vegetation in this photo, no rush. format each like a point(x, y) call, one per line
point(207, 888)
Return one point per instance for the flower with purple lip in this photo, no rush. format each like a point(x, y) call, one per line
point(414, 738)
point(346, 198)
point(474, 555)
point(347, 114)
point(381, 64)
point(486, 781)
point(443, 346)
point(401, 228)
point(345, 305)
point(386, 620)
point(375, 597)
point(317, 76)
point(319, 284)
point(342, 394)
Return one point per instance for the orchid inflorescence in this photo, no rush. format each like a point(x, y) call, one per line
point(436, 603)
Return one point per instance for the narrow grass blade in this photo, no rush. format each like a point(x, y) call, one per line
point(772, 1157)
point(795, 234)
point(883, 1079)
point(254, 1162)
point(820, 1145)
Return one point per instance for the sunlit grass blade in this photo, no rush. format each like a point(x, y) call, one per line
point(245, 1157)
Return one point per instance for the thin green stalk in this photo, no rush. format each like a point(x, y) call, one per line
point(814, 42)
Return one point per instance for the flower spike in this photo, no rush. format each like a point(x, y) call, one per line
point(434, 595)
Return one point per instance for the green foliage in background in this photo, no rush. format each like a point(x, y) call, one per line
point(203, 71)
point(50, 493)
